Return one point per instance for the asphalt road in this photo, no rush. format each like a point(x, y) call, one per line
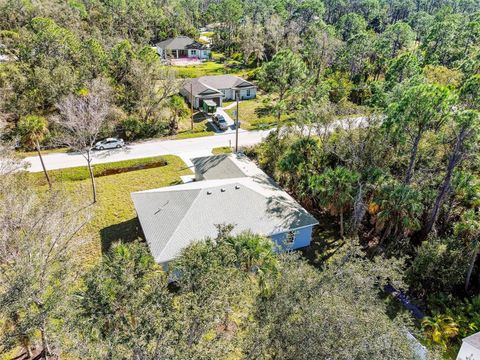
point(185, 148)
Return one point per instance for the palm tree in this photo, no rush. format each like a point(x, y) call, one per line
point(254, 253)
point(298, 163)
point(400, 209)
point(334, 189)
point(469, 228)
point(33, 129)
point(440, 329)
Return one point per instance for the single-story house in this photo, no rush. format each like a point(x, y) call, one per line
point(229, 189)
point(470, 349)
point(182, 47)
point(217, 88)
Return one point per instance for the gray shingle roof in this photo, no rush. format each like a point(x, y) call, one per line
point(473, 340)
point(216, 83)
point(173, 217)
point(180, 43)
point(217, 167)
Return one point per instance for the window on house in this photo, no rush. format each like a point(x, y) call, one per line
point(194, 52)
point(248, 92)
point(290, 239)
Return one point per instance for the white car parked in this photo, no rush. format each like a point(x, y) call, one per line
point(109, 143)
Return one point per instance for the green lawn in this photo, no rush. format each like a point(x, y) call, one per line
point(24, 154)
point(201, 127)
point(81, 172)
point(218, 65)
point(114, 217)
point(222, 150)
point(254, 114)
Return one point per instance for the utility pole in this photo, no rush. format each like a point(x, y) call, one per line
point(236, 122)
point(191, 103)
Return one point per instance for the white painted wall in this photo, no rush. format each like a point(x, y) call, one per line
point(468, 352)
point(201, 54)
point(245, 94)
point(230, 94)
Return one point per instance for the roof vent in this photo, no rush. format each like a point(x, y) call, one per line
point(237, 187)
point(222, 190)
point(209, 193)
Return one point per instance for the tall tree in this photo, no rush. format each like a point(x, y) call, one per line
point(82, 117)
point(33, 130)
point(422, 108)
point(469, 228)
point(284, 73)
point(38, 244)
point(466, 128)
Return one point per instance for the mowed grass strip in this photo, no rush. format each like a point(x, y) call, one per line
point(113, 216)
point(222, 150)
point(81, 172)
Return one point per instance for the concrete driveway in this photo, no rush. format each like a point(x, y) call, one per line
point(229, 120)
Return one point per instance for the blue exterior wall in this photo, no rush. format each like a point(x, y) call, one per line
point(303, 238)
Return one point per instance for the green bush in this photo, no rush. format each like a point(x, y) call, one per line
point(133, 128)
point(439, 267)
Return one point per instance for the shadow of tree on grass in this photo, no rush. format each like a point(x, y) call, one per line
point(125, 232)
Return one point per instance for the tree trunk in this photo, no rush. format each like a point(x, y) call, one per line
point(37, 145)
point(92, 178)
point(45, 344)
point(470, 268)
point(444, 188)
point(413, 157)
point(26, 345)
point(386, 233)
point(341, 224)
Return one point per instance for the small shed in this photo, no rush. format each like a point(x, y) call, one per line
point(209, 106)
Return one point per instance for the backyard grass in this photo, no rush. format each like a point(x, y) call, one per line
point(114, 217)
point(222, 150)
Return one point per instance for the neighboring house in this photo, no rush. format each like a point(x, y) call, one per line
point(470, 349)
point(230, 189)
point(182, 47)
point(217, 89)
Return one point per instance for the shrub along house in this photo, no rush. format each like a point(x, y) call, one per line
point(182, 47)
point(229, 189)
point(217, 89)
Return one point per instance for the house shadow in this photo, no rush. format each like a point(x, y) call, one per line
point(125, 232)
